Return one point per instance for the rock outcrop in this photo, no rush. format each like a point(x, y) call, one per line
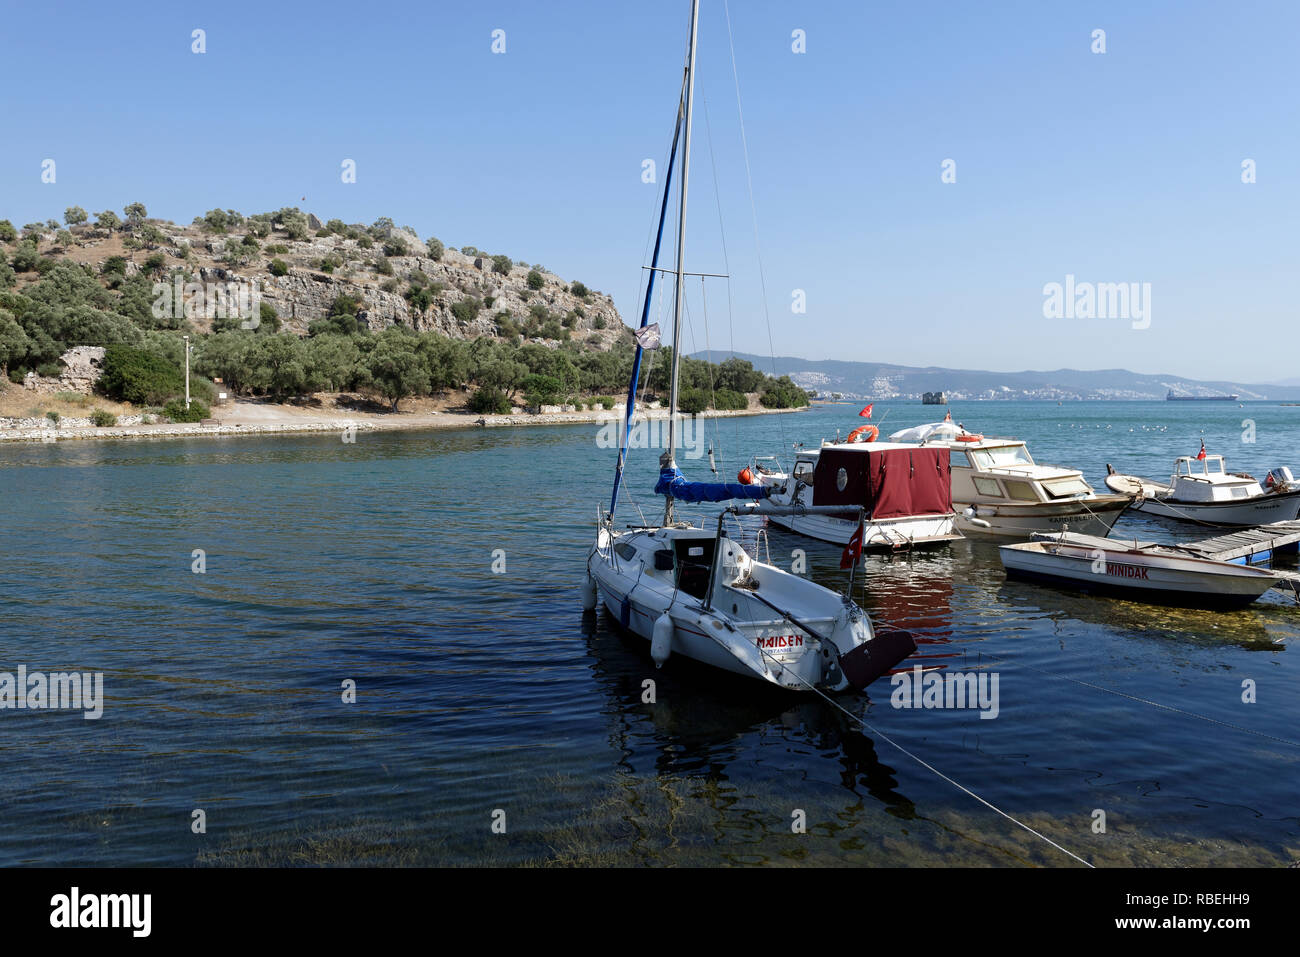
point(81, 370)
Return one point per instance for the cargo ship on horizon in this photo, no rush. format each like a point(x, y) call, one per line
point(1201, 398)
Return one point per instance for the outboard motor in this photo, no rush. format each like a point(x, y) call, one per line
point(1280, 479)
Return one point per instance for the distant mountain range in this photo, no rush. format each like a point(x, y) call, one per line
point(882, 380)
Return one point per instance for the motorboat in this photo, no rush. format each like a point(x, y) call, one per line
point(1202, 490)
point(903, 490)
point(696, 592)
point(1163, 574)
point(999, 491)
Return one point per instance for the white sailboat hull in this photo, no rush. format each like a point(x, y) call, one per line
point(798, 635)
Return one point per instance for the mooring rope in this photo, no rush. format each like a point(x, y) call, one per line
point(921, 761)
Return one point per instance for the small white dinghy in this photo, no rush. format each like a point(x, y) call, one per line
point(1202, 490)
point(1142, 571)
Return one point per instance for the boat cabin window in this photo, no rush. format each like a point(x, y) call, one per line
point(625, 551)
point(1000, 456)
point(1210, 465)
point(803, 471)
point(988, 486)
point(694, 559)
point(1066, 487)
point(1022, 491)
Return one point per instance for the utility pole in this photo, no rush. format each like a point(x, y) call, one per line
point(187, 371)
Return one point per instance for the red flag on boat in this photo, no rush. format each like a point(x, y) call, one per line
point(866, 413)
point(1201, 454)
point(853, 550)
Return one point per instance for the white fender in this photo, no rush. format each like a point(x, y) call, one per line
point(970, 514)
point(661, 645)
point(589, 594)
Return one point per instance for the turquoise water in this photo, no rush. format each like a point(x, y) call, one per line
point(480, 693)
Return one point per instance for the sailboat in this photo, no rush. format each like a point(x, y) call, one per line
point(695, 592)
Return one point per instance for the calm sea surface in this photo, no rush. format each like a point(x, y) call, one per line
point(487, 697)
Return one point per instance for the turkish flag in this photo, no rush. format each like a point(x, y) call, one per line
point(1201, 454)
point(866, 413)
point(853, 550)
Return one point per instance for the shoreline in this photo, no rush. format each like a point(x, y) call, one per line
point(296, 422)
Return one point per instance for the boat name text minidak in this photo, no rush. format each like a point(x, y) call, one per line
point(1126, 571)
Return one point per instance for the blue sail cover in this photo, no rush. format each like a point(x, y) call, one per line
point(674, 484)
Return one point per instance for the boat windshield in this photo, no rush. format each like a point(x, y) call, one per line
point(1000, 456)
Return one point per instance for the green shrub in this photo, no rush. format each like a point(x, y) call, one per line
point(176, 411)
point(541, 389)
point(139, 377)
point(599, 323)
point(466, 310)
point(605, 401)
point(579, 290)
point(383, 267)
point(25, 257)
point(7, 232)
point(502, 265)
point(436, 249)
point(782, 393)
point(101, 418)
point(419, 297)
point(53, 416)
point(729, 400)
point(535, 280)
point(489, 402)
point(279, 267)
point(691, 401)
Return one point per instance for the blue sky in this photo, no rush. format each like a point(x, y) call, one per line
point(1115, 167)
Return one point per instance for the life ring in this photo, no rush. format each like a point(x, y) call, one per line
point(872, 431)
point(745, 476)
point(970, 437)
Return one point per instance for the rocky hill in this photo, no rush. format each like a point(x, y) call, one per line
point(376, 267)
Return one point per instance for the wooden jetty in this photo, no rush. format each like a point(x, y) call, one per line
point(1247, 546)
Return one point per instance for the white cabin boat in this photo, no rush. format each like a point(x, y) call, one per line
point(1202, 490)
point(999, 491)
point(1140, 571)
point(904, 490)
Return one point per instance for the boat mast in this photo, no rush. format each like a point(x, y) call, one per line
point(669, 458)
